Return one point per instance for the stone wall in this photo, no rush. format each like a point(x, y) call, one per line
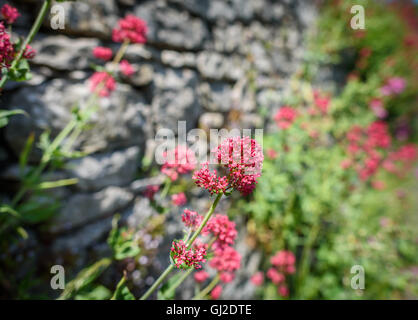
point(212, 63)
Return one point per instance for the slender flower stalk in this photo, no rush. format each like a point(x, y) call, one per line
point(29, 38)
point(208, 289)
point(170, 268)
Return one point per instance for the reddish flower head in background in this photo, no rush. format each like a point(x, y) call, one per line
point(126, 68)
point(257, 279)
point(29, 52)
point(104, 81)
point(6, 48)
point(191, 219)
point(285, 117)
point(103, 53)
point(222, 229)
point(201, 276)
point(130, 29)
point(9, 13)
point(216, 292)
point(181, 160)
point(179, 199)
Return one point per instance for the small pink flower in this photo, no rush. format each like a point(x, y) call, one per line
point(191, 219)
point(150, 191)
point(130, 28)
point(275, 276)
point(346, 163)
point(9, 13)
point(321, 102)
point(378, 185)
point(257, 279)
point(226, 259)
point(179, 199)
point(283, 290)
point(285, 117)
point(29, 52)
point(394, 85)
point(216, 292)
point(226, 277)
point(377, 107)
point(103, 80)
point(201, 276)
point(7, 52)
point(222, 229)
point(181, 160)
point(184, 258)
point(103, 53)
point(271, 153)
point(210, 180)
point(126, 68)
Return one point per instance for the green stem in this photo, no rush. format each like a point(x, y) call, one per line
point(205, 220)
point(208, 289)
point(179, 281)
point(167, 186)
point(306, 253)
point(189, 244)
point(29, 38)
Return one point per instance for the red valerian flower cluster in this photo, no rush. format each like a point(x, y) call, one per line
point(285, 117)
point(226, 260)
point(393, 86)
point(243, 159)
point(321, 103)
point(7, 51)
point(103, 53)
point(368, 150)
point(257, 279)
point(103, 83)
point(283, 264)
point(191, 219)
point(150, 191)
point(130, 29)
point(222, 229)
point(126, 68)
point(9, 13)
point(179, 199)
point(184, 258)
point(181, 160)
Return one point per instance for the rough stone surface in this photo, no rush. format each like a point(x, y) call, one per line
point(211, 63)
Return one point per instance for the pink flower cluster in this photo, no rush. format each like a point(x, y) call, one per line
point(179, 199)
point(321, 103)
point(103, 53)
point(283, 264)
point(150, 191)
point(181, 160)
point(393, 86)
point(285, 117)
point(243, 159)
point(184, 258)
point(102, 83)
point(126, 68)
point(9, 13)
point(226, 260)
point(7, 51)
point(131, 29)
point(376, 105)
point(223, 229)
point(368, 150)
point(191, 219)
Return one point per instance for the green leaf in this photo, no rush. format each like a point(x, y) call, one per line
point(122, 292)
point(5, 114)
point(84, 278)
point(121, 242)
